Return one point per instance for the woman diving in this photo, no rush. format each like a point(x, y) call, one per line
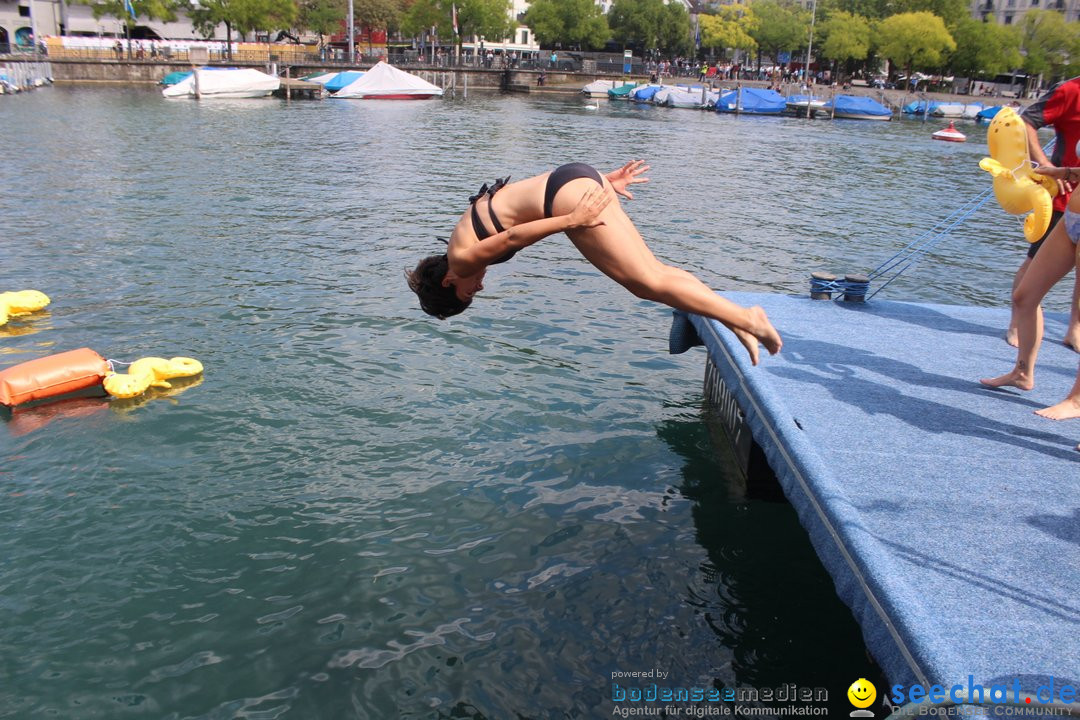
point(574, 199)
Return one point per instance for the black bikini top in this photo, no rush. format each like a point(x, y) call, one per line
point(478, 226)
point(489, 192)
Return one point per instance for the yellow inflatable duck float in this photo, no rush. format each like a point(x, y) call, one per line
point(1017, 187)
point(150, 372)
point(21, 302)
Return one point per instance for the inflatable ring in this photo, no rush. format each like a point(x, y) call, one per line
point(21, 302)
point(1017, 187)
point(150, 372)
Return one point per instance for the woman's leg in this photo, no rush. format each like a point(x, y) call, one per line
point(617, 249)
point(1053, 261)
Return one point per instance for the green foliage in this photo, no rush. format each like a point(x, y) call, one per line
point(151, 9)
point(322, 17)
point(244, 16)
point(486, 18)
point(730, 27)
point(650, 25)
point(425, 14)
point(914, 40)
point(985, 48)
point(676, 30)
point(950, 11)
point(844, 37)
point(568, 22)
point(1046, 41)
point(782, 26)
point(375, 14)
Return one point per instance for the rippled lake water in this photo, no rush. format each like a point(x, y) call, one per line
point(363, 512)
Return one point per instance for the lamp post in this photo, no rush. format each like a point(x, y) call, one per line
point(352, 32)
point(809, 45)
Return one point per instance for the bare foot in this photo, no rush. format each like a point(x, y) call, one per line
point(1067, 409)
point(749, 342)
point(764, 331)
point(1015, 378)
point(1011, 337)
point(1072, 339)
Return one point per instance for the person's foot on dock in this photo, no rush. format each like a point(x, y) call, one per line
point(1012, 337)
point(1067, 409)
point(1015, 378)
point(1072, 339)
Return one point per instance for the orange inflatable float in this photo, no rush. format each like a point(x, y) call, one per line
point(69, 372)
point(51, 376)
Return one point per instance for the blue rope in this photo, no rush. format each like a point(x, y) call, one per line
point(846, 288)
point(855, 289)
point(910, 254)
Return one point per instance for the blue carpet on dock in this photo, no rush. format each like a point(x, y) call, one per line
point(948, 514)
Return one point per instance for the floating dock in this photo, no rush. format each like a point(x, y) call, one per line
point(947, 513)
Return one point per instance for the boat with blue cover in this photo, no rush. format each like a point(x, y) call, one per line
point(174, 77)
point(857, 107)
point(645, 93)
point(752, 101)
point(987, 114)
point(342, 79)
point(920, 107)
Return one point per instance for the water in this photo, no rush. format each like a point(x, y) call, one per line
point(363, 512)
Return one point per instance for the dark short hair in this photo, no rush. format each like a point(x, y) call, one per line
point(426, 282)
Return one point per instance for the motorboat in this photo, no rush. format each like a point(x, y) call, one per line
point(957, 110)
point(694, 97)
point(751, 101)
point(804, 105)
point(215, 82)
point(857, 107)
point(386, 82)
point(600, 88)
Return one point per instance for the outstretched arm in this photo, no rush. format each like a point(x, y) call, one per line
point(473, 259)
point(629, 174)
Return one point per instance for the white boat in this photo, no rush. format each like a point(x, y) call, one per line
point(805, 105)
point(690, 98)
point(599, 88)
point(957, 110)
point(386, 82)
point(212, 82)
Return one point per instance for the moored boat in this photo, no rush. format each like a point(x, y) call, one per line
point(600, 88)
point(751, 101)
point(623, 91)
point(804, 105)
point(386, 82)
point(207, 82)
point(957, 110)
point(857, 107)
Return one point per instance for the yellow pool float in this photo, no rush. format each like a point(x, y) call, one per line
point(150, 372)
point(1017, 187)
point(21, 302)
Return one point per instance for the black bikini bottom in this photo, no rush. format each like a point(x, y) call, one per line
point(564, 174)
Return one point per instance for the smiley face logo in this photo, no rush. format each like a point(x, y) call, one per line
point(862, 693)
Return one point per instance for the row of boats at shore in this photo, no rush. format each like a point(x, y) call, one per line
point(381, 82)
point(742, 100)
point(764, 101)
